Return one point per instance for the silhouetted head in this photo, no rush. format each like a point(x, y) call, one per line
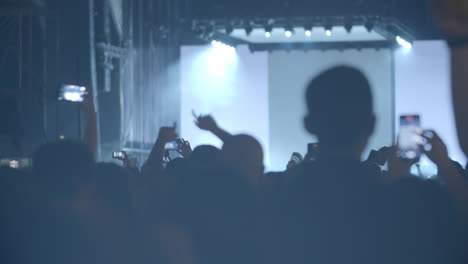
point(112, 186)
point(177, 168)
point(62, 168)
point(340, 108)
point(205, 153)
point(243, 154)
point(203, 159)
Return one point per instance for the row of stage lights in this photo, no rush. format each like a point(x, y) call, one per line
point(289, 32)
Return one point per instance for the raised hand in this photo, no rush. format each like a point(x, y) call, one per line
point(436, 150)
point(167, 134)
point(184, 147)
point(205, 122)
point(208, 123)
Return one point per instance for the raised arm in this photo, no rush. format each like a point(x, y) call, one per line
point(90, 135)
point(460, 92)
point(457, 186)
point(154, 164)
point(452, 18)
point(208, 123)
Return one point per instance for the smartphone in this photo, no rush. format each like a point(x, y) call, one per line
point(173, 145)
point(312, 151)
point(72, 93)
point(410, 140)
point(312, 147)
point(119, 155)
point(16, 163)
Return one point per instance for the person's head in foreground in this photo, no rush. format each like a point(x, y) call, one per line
point(340, 111)
point(62, 169)
point(243, 154)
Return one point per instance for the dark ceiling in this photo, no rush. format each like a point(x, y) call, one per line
point(413, 13)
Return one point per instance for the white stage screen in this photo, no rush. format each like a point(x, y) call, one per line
point(262, 94)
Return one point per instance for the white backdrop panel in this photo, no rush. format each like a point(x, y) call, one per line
point(233, 88)
point(290, 72)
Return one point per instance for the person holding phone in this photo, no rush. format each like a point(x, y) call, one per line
point(329, 203)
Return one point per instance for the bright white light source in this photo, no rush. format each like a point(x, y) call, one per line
point(267, 34)
point(308, 33)
point(219, 44)
point(14, 164)
point(328, 32)
point(223, 51)
point(404, 43)
point(288, 33)
point(73, 96)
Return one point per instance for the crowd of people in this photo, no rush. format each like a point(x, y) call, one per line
point(214, 205)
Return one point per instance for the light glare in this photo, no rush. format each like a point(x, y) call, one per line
point(404, 43)
point(219, 44)
point(267, 34)
point(72, 96)
point(288, 33)
point(223, 51)
point(308, 33)
point(328, 32)
point(14, 164)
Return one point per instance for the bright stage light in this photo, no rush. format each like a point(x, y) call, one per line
point(221, 45)
point(328, 32)
point(267, 34)
point(404, 43)
point(308, 33)
point(288, 33)
point(222, 51)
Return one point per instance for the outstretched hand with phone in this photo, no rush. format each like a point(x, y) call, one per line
point(153, 166)
point(167, 134)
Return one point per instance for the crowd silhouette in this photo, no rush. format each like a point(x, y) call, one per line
point(215, 205)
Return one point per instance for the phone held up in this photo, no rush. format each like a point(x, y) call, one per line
point(120, 155)
point(72, 93)
point(312, 152)
point(410, 139)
